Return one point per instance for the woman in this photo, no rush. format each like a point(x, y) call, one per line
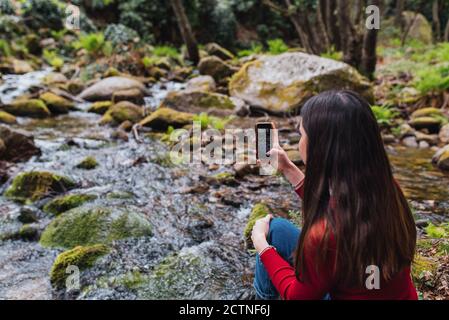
point(358, 235)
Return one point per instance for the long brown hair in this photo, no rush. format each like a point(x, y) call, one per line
point(370, 220)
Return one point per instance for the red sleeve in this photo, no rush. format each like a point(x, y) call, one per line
point(300, 189)
point(282, 275)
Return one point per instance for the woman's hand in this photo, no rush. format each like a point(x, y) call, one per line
point(260, 233)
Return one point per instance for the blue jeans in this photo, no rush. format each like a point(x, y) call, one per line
point(283, 235)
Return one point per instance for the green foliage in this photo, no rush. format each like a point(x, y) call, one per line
point(119, 34)
point(333, 54)
point(43, 13)
point(277, 46)
point(433, 79)
point(165, 51)
point(384, 115)
point(5, 49)
point(207, 121)
point(255, 49)
point(441, 231)
point(95, 44)
point(6, 7)
point(53, 59)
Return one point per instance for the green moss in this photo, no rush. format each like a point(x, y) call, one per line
point(28, 233)
point(123, 111)
point(33, 108)
point(226, 178)
point(422, 265)
point(132, 280)
point(65, 203)
point(427, 112)
point(162, 118)
point(259, 211)
point(93, 225)
point(88, 163)
point(441, 231)
point(7, 118)
point(56, 104)
point(32, 186)
point(81, 257)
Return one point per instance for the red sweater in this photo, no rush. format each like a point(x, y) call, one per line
point(320, 282)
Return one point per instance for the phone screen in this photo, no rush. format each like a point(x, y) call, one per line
point(264, 139)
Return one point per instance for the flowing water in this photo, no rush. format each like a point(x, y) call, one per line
point(197, 247)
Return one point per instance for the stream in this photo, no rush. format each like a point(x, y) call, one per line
point(197, 245)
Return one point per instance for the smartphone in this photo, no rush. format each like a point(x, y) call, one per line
point(264, 138)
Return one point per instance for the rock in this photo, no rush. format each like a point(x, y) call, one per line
point(162, 118)
point(216, 68)
point(132, 95)
point(244, 169)
point(35, 185)
point(281, 84)
point(65, 203)
point(28, 232)
point(219, 179)
point(88, 163)
point(241, 108)
point(74, 87)
point(406, 130)
point(201, 83)
point(427, 112)
point(444, 133)
point(100, 107)
point(421, 29)
point(441, 158)
point(81, 257)
point(57, 104)
point(123, 111)
point(93, 225)
point(410, 141)
point(423, 144)
point(2, 146)
point(259, 211)
point(430, 139)
point(7, 118)
point(33, 108)
point(55, 78)
point(32, 43)
point(430, 123)
point(104, 89)
point(28, 215)
point(215, 49)
point(20, 67)
point(17, 146)
point(198, 101)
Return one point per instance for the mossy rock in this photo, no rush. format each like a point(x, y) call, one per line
point(259, 211)
point(427, 112)
point(88, 163)
point(215, 49)
point(162, 118)
point(441, 158)
point(7, 118)
point(132, 95)
point(197, 101)
point(33, 108)
point(65, 203)
point(123, 111)
point(432, 124)
point(56, 104)
point(100, 107)
point(223, 178)
point(282, 84)
point(17, 146)
point(216, 68)
point(81, 257)
point(55, 78)
point(28, 232)
point(32, 186)
point(93, 225)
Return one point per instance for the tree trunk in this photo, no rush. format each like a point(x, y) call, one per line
point(400, 7)
point(331, 24)
point(350, 38)
point(321, 27)
point(369, 57)
point(446, 32)
point(436, 20)
point(186, 31)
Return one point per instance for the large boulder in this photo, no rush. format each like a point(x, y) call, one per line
point(162, 118)
point(419, 28)
point(105, 89)
point(33, 108)
point(281, 84)
point(17, 146)
point(198, 101)
point(93, 225)
point(31, 186)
